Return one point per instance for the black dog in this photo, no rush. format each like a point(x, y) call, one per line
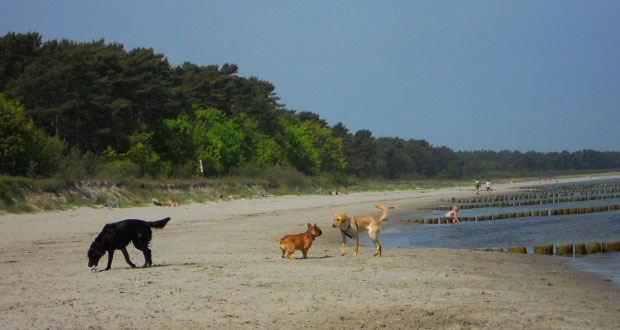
point(116, 236)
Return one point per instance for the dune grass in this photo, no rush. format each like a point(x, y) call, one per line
point(23, 195)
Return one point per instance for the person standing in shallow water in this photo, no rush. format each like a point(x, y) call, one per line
point(451, 217)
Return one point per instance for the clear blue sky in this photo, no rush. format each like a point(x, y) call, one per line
point(469, 75)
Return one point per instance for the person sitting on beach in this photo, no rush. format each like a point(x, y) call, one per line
point(172, 202)
point(451, 216)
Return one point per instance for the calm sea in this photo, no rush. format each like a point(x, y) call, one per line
point(528, 231)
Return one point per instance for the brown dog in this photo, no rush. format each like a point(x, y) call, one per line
point(351, 227)
point(303, 242)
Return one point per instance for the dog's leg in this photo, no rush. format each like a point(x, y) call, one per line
point(289, 248)
point(305, 249)
point(126, 255)
point(289, 255)
point(373, 237)
point(344, 243)
point(356, 243)
point(143, 245)
point(286, 247)
point(110, 256)
point(147, 257)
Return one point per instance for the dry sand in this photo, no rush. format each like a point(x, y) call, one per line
point(218, 265)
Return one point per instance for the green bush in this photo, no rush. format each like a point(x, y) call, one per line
point(276, 176)
point(49, 185)
point(248, 172)
point(286, 177)
point(339, 179)
point(120, 171)
point(184, 171)
point(79, 166)
point(100, 199)
point(8, 188)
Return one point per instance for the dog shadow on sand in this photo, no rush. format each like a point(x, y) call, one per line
point(191, 264)
point(323, 257)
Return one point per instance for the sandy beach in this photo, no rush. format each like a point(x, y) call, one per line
point(218, 265)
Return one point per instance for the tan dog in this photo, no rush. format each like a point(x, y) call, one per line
point(352, 226)
point(302, 242)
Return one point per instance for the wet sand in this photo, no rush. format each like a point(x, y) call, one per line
point(218, 265)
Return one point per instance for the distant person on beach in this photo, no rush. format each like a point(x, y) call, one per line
point(488, 185)
point(451, 216)
point(477, 186)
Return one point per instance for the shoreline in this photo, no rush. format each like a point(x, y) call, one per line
point(218, 265)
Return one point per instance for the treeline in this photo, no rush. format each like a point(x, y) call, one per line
point(82, 110)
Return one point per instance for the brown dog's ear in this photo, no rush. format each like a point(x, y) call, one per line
point(309, 225)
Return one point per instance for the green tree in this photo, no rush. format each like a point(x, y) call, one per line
point(297, 144)
point(141, 153)
point(398, 160)
point(69, 91)
point(147, 83)
point(214, 87)
point(363, 161)
point(176, 139)
point(219, 141)
point(331, 156)
point(24, 149)
point(17, 51)
point(261, 149)
point(93, 95)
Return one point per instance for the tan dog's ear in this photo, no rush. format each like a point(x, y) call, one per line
point(309, 225)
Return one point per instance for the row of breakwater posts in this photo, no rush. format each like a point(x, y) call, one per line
point(580, 188)
point(566, 250)
point(524, 200)
point(546, 195)
point(522, 214)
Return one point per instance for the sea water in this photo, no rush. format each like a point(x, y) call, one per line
point(525, 231)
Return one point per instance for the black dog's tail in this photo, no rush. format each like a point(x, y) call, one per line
point(159, 223)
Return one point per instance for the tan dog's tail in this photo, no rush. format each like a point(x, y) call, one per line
point(384, 214)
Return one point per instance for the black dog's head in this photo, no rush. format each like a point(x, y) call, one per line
point(95, 253)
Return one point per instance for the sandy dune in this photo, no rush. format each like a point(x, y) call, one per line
point(218, 266)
